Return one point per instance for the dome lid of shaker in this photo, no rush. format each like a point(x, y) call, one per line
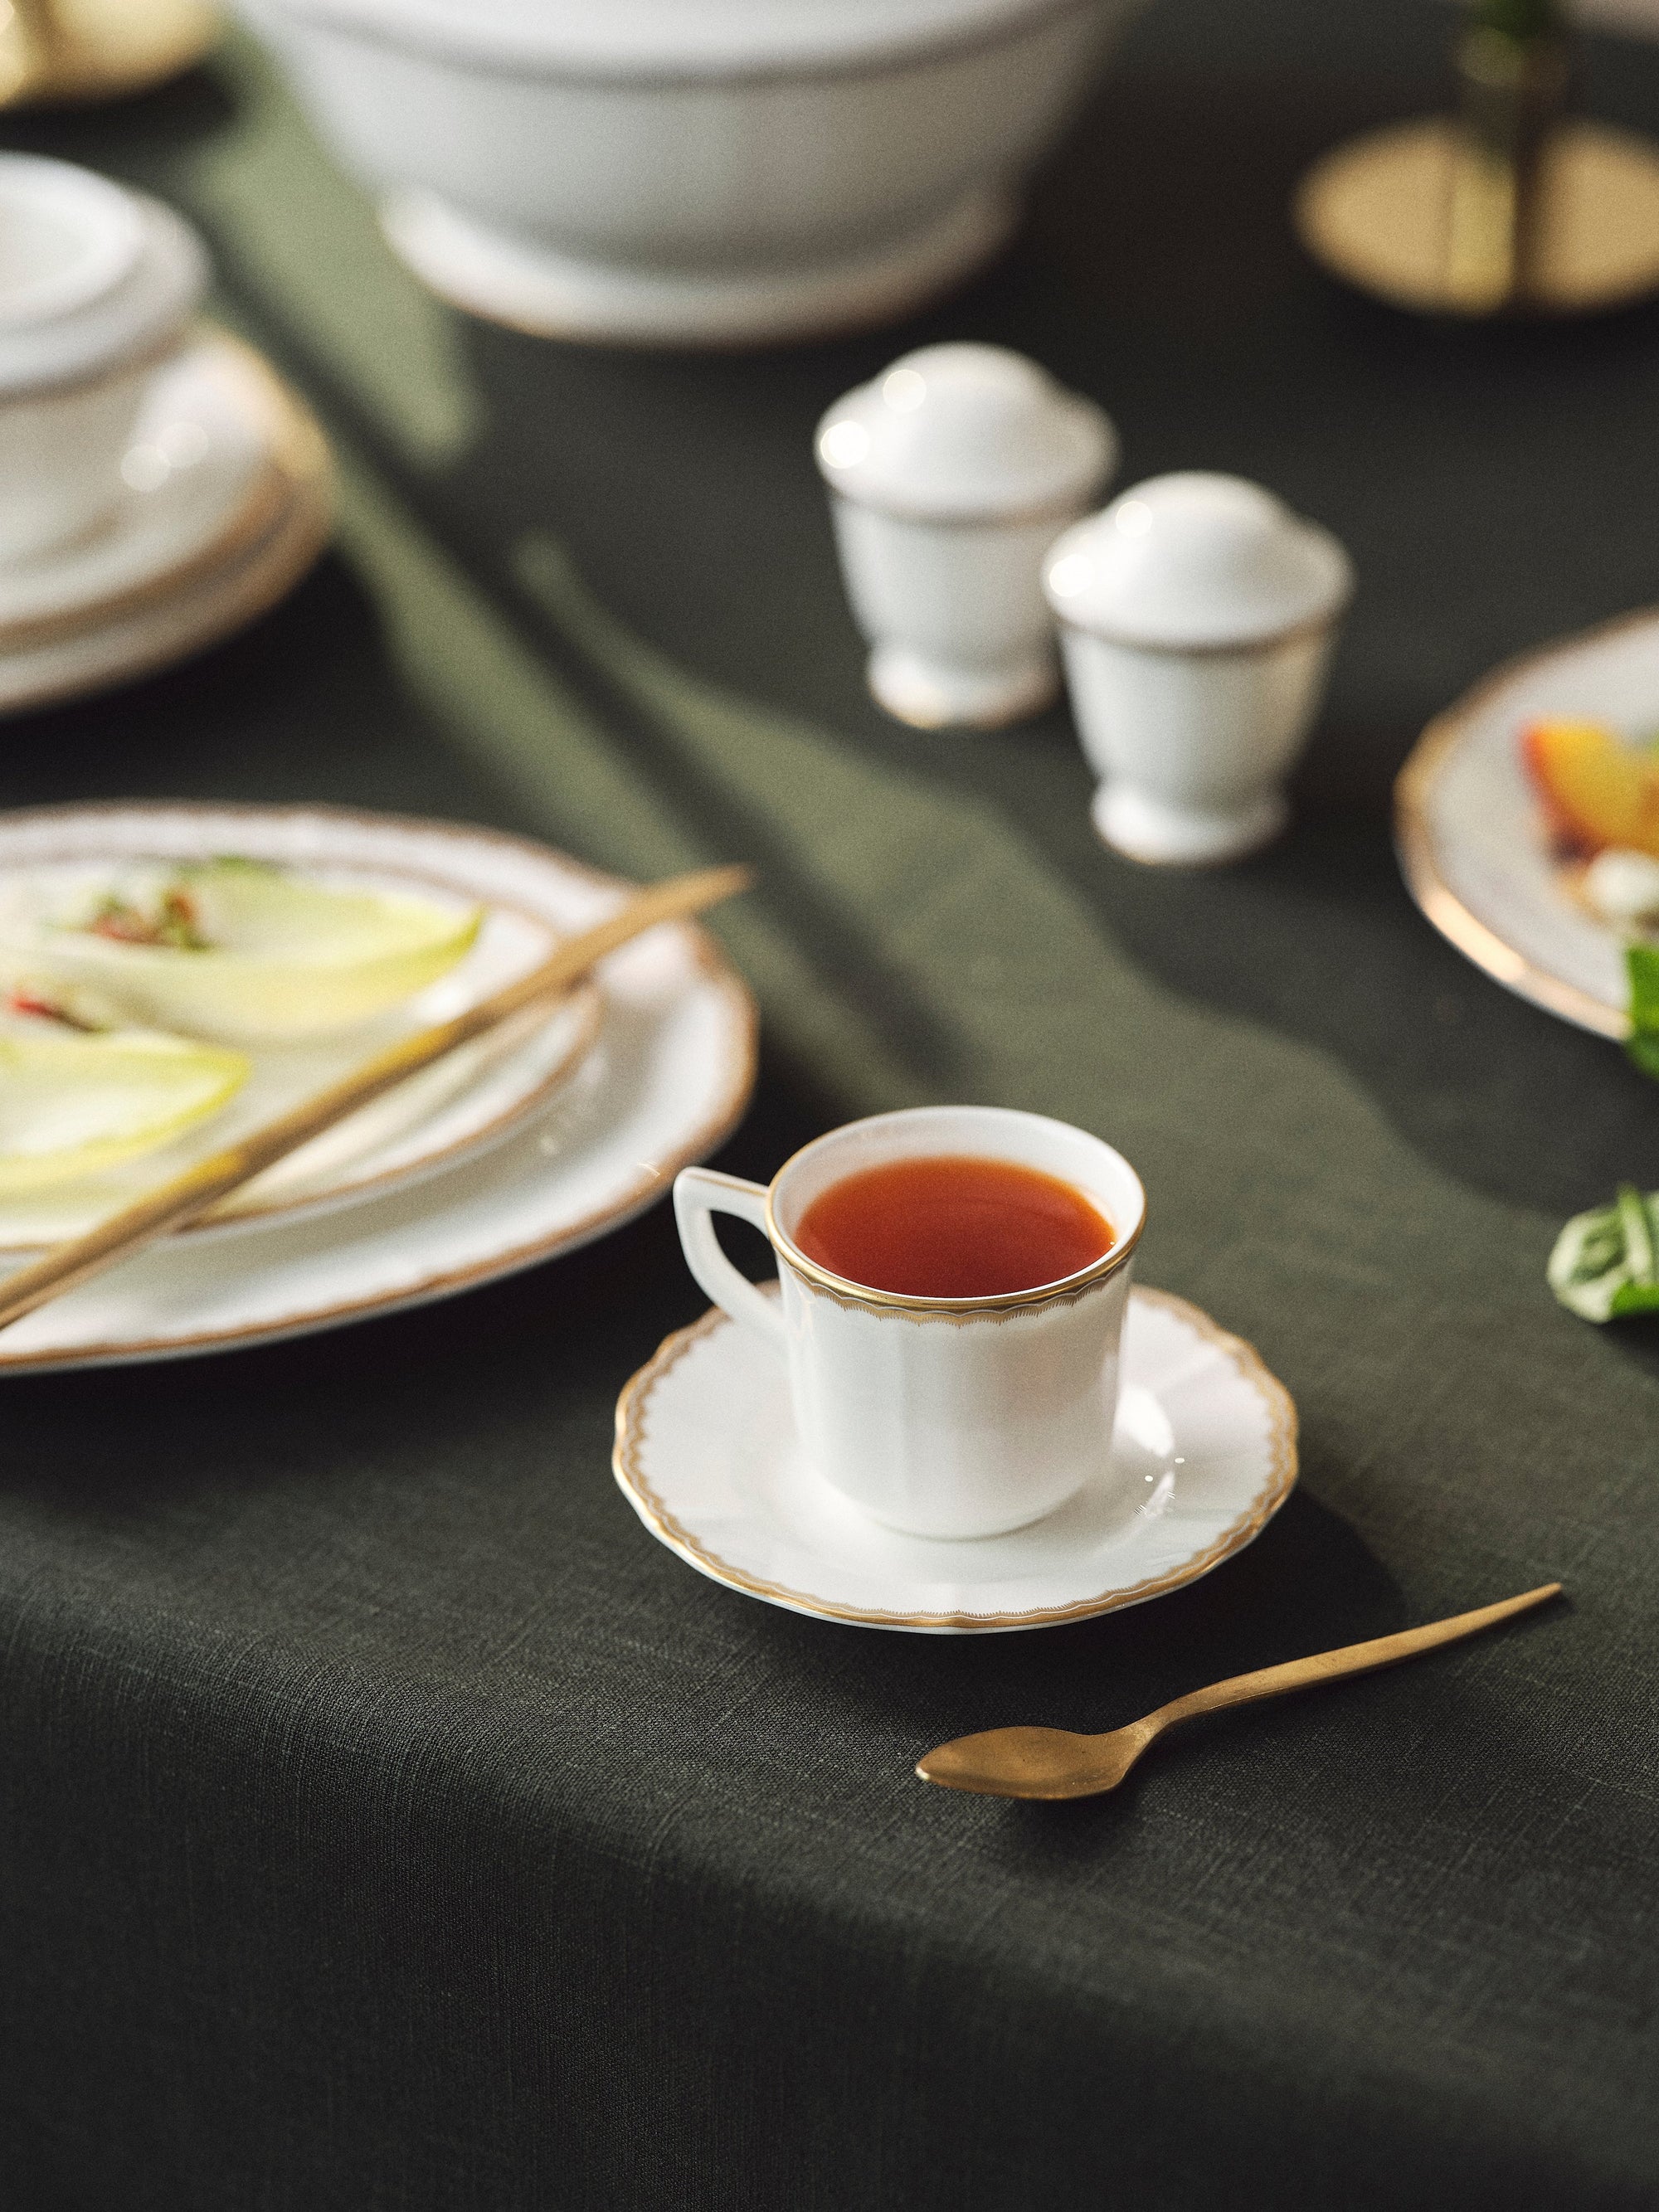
point(1197, 560)
point(960, 432)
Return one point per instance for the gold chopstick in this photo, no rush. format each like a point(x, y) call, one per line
point(201, 1185)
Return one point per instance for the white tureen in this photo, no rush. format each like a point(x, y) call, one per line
point(690, 171)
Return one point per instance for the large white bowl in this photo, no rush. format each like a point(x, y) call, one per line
point(691, 172)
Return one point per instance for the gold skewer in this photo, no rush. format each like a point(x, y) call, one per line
point(210, 1179)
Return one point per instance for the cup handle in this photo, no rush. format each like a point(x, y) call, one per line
point(698, 1195)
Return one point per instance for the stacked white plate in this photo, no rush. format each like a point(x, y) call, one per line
point(159, 485)
point(533, 1141)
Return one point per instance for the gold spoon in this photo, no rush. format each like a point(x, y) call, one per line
point(201, 1185)
point(1042, 1762)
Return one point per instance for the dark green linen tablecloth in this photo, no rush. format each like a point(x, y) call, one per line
point(386, 1820)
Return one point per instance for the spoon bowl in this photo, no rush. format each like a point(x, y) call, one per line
point(1044, 1762)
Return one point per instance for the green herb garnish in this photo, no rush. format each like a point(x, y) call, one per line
point(174, 923)
point(1642, 963)
point(1606, 1264)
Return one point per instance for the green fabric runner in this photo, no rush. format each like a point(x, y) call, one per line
point(1394, 1949)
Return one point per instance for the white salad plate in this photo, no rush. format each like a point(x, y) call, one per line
point(579, 1142)
point(1204, 1456)
point(225, 502)
point(1473, 841)
point(472, 1097)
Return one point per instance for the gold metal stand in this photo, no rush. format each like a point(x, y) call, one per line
point(1504, 209)
point(1378, 212)
point(58, 52)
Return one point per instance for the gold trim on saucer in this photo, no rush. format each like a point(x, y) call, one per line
point(632, 1416)
point(1419, 861)
point(654, 1178)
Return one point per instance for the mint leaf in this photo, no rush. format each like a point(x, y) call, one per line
point(1605, 1263)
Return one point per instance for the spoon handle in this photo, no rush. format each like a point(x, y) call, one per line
point(1350, 1659)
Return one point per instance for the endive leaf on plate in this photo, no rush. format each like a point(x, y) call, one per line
point(71, 1105)
point(1605, 1263)
point(239, 949)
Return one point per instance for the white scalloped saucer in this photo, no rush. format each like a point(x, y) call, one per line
point(1204, 1455)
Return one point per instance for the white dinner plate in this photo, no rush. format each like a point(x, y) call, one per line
point(668, 1076)
point(1473, 841)
point(1204, 1454)
point(471, 1098)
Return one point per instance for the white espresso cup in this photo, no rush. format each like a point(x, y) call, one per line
point(940, 1417)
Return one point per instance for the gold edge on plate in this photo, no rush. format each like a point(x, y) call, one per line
point(711, 962)
point(270, 573)
point(632, 1421)
point(1419, 860)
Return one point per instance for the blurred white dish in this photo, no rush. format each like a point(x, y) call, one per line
point(197, 479)
point(690, 171)
point(97, 285)
point(224, 505)
point(1471, 834)
point(667, 1080)
point(1203, 1455)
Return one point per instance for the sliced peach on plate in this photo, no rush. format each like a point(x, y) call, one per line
point(1597, 790)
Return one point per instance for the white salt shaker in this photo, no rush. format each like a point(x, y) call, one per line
point(1198, 617)
point(950, 477)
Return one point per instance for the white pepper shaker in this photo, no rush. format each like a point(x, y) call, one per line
point(1198, 617)
point(950, 477)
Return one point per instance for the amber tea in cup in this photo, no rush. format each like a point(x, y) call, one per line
point(953, 1227)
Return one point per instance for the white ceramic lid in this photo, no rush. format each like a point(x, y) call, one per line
point(692, 36)
point(91, 275)
point(1195, 560)
point(959, 431)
